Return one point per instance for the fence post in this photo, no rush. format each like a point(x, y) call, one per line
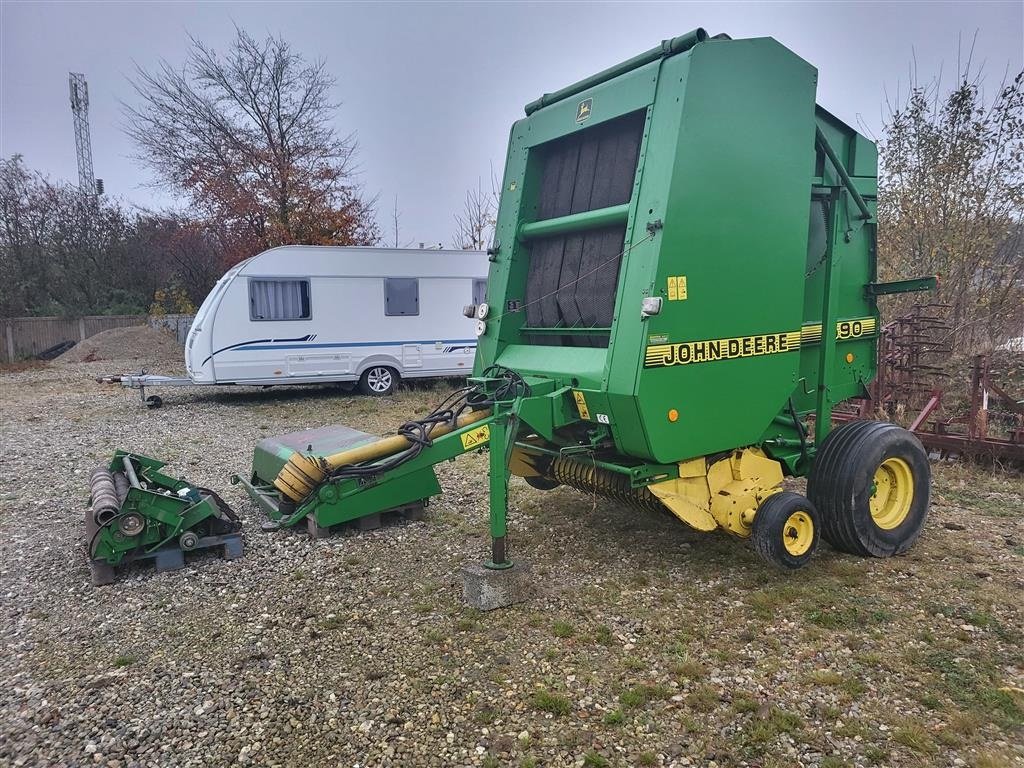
point(10, 343)
point(81, 329)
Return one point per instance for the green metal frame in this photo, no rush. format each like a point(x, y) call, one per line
point(166, 514)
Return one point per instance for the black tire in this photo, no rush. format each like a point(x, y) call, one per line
point(844, 485)
point(55, 351)
point(541, 483)
point(785, 530)
point(379, 381)
point(154, 401)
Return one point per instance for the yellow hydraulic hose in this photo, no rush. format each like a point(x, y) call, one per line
point(302, 474)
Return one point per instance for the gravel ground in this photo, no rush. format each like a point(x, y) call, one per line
point(647, 644)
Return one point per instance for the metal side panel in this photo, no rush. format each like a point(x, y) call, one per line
point(272, 453)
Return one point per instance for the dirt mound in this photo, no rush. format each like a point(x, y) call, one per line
point(138, 342)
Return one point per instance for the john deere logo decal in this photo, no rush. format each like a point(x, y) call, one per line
point(709, 350)
point(583, 110)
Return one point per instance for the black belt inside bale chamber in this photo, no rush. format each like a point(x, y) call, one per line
point(572, 279)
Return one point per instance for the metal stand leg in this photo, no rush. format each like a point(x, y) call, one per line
point(499, 493)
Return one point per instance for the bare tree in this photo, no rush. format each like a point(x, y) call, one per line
point(951, 203)
point(395, 216)
point(247, 138)
point(474, 226)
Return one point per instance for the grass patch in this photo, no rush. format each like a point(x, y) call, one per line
point(640, 695)
point(767, 730)
point(704, 698)
point(744, 702)
point(434, 637)
point(553, 703)
point(603, 635)
point(874, 753)
point(766, 603)
point(688, 669)
point(615, 717)
point(595, 760)
point(846, 616)
point(825, 677)
point(634, 663)
point(562, 629)
point(485, 715)
point(125, 661)
point(973, 687)
point(647, 758)
point(851, 729)
point(914, 737)
point(986, 502)
point(332, 622)
point(852, 685)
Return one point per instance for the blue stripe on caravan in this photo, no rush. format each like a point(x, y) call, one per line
point(350, 344)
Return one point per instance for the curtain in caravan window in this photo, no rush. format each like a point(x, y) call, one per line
point(279, 299)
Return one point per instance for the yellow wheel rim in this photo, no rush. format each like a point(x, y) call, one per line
point(798, 533)
point(892, 493)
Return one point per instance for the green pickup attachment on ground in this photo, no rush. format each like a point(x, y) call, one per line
point(137, 512)
point(359, 475)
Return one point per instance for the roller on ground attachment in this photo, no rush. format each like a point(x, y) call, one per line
point(136, 512)
point(682, 286)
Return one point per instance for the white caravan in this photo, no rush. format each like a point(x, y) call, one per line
point(307, 314)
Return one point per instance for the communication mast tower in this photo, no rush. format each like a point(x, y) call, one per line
point(88, 184)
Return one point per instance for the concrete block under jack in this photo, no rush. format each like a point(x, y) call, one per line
point(488, 588)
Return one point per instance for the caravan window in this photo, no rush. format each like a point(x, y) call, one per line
point(479, 292)
point(279, 300)
point(401, 296)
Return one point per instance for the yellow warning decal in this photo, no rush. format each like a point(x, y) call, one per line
point(475, 437)
point(677, 288)
point(581, 404)
point(660, 355)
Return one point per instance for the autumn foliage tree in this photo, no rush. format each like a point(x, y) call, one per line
point(247, 138)
point(951, 203)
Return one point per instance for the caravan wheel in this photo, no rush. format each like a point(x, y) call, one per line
point(378, 381)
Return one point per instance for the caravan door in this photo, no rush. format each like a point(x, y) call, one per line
point(412, 357)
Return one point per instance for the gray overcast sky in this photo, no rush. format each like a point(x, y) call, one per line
point(431, 89)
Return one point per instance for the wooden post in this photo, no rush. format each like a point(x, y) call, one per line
point(10, 343)
point(81, 329)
